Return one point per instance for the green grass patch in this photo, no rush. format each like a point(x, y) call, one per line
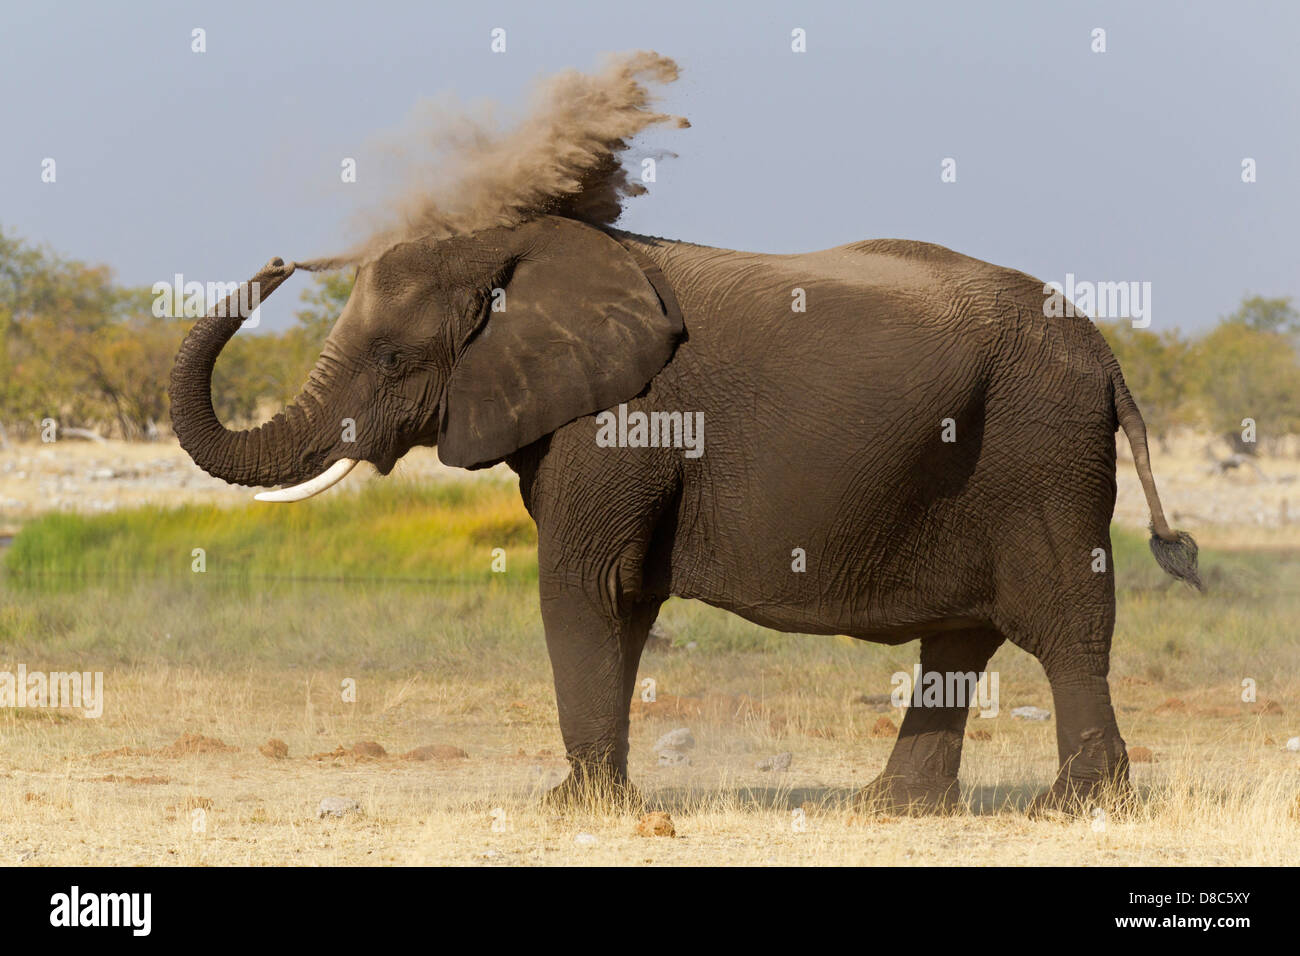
point(397, 577)
point(388, 530)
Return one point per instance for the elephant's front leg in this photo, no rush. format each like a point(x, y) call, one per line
point(921, 773)
point(594, 649)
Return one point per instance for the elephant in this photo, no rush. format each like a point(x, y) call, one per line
point(893, 441)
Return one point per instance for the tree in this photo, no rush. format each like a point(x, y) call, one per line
point(1242, 372)
point(1267, 315)
point(1155, 367)
point(325, 304)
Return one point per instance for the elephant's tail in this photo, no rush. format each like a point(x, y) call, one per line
point(1175, 551)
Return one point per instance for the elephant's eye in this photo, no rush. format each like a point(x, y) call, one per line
point(388, 361)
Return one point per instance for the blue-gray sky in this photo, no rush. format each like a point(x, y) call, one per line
point(1123, 165)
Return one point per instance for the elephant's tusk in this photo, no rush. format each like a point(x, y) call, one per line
point(331, 476)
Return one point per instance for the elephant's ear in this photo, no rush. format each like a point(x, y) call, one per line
point(582, 329)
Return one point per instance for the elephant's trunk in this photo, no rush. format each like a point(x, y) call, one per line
point(287, 449)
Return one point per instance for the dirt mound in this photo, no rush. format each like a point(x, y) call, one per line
point(184, 745)
point(657, 824)
point(275, 749)
point(188, 744)
point(883, 728)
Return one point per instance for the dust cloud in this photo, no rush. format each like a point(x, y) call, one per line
point(463, 173)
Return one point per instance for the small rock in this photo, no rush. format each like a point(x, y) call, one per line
point(586, 839)
point(337, 807)
point(1293, 744)
point(679, 739)
point(275, 748)
point(1141, 755)
point(780, 763)
point(673, 758)
point(657, 824)
point(368, 749)
point(692, 646)
point(1030, 713)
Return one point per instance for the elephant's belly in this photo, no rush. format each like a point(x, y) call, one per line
point(804, 620)
point(865, 583)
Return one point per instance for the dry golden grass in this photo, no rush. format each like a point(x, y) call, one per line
point(1222, 789)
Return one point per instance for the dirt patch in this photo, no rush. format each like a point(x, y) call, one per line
point(707, 707)
point(1217, 712)
point(978, 735)
point(1141, 755)
point(435, 752)
point(338, 753)
point(1173, 705)
point(369, 750)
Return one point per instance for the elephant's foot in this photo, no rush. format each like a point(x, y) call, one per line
point(1079, 790)
point(601, 788)
point(1095, 777)
point(910, 796)
point(1077, 797)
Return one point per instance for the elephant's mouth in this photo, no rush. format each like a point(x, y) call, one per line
point(384, 464)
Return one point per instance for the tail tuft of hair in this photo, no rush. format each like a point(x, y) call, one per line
point(1178, 558)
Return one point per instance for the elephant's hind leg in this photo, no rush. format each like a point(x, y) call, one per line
point(1071, 639)
point(1094, 760)
point(921, 773)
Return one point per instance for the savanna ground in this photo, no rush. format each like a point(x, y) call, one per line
point(201, 670)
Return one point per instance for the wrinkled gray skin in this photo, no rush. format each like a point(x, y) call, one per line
point(822, 433)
